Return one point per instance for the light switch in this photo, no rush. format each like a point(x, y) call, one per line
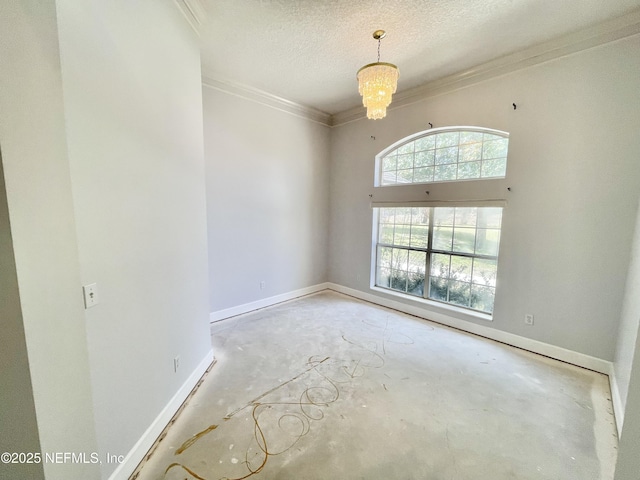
point(90, 295)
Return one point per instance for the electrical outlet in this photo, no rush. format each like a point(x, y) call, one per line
point(263, 284)
point(90, 293)
point(176, 363)
point(528, 319)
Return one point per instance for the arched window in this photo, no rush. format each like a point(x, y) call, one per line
point(442, 249)
point(444, 155)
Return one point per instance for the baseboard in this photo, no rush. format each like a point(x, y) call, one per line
point(616, 399)
point(142, 446)
point(569, 356)
point(265, 302)
point(558, 353)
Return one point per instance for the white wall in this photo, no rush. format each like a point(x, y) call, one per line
point(267, 200)
point(133, 109)
point(628, 464)
point(627, 369)
point(629, 322)
point(573, 169)
point(38, 187)
point(18, 422)
point(105, 184)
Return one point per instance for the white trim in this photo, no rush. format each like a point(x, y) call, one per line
point(428, 303)
point(535, 346)
point(267, 99)
point(194, 12)
point(575, 42)
point(616, 400)
point(489, 202)
point(146, 441)
point(434, 131)
point(476, 191)
point(265, 302)
point(559, 353)
point(600, 34)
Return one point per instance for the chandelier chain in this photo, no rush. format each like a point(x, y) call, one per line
point(377, 82)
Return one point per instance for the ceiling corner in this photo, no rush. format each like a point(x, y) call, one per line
point(194, 11)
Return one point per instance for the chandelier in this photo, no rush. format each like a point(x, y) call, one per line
point(377, 82)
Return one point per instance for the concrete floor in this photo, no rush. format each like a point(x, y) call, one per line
point(329, 387)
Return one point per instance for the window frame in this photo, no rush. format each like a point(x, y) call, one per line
point(477, 192)
point(432, 132)
point(429, 250)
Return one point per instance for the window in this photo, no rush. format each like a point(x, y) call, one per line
point(444, 248)
point(447, 155)
point(448, 254)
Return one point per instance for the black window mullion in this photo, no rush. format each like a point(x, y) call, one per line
point(464, 254)
point(404, 247)
point(427, 272)
point(448, 279)
point(429, 252)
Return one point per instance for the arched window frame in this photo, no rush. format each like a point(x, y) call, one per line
point(470, 193)
point(436, 133)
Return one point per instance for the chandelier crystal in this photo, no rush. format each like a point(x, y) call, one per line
point(377, 82)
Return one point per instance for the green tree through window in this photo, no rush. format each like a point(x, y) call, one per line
point(458, 266)
point(443, 253)
point(446, 156)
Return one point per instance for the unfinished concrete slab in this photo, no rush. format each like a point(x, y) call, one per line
point(330, 387)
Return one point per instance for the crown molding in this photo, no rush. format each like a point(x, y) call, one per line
point(600, 34)
point(194, 12)
point(267, 99)
point(585, 39)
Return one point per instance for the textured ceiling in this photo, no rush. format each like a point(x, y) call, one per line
point(308, 51)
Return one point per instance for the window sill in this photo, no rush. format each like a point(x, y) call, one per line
point(437, 307)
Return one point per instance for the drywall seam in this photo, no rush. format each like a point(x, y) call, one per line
point(265, 302)
point(146, 441)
